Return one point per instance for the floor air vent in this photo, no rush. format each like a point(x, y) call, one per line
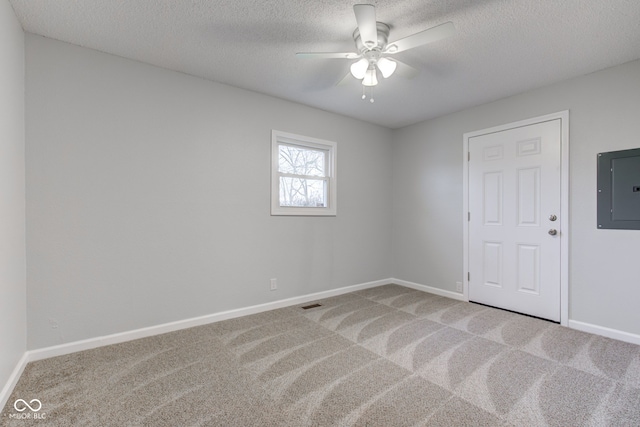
point(307, 307)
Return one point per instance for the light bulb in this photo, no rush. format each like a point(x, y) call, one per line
point(387, 66)
point(359, 68)
point(370, 78)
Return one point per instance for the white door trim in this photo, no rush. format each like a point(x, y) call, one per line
point(564, 203)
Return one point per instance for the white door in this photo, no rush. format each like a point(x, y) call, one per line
point(514, 226)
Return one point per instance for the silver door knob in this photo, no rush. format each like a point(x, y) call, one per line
point(553, 232)
point(552, 217)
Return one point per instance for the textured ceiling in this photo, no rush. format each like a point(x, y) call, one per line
point(501, 47)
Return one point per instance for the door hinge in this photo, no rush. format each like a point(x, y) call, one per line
point(468, 156)
point(468, 276)
point(468, 216)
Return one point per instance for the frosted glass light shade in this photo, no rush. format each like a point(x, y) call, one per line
point(370, 78)
point(386, 66)
point(359, 68)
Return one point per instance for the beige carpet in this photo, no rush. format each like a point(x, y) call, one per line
point(387, 356)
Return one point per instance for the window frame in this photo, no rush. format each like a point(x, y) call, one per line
point(330, 147)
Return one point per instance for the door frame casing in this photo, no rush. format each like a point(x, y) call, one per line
point(564, 202)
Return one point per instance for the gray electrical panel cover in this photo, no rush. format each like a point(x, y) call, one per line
point(619, 189)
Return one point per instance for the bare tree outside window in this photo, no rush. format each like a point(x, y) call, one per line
point(302, 176)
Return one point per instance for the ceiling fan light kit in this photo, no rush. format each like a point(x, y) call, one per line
point(370, 77)
point(386, 66)
point(359, 68)
point(371, 39)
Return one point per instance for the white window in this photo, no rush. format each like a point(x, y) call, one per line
point(303, 175)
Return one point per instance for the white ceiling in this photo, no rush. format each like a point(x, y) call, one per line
point(501, 47)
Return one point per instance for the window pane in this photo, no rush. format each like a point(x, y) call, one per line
point(301, 161)
point(302, 192)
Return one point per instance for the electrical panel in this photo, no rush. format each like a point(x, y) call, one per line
point(619, 189)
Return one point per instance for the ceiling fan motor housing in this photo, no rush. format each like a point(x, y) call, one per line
point(383, 38)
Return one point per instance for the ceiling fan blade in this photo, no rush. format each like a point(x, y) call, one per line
point(418, 39)
point(366, 19)
point(328, 55)
point(404, 70)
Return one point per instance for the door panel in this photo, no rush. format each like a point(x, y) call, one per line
point(492, 265)
point(493, 198)
point(514, 187)
point(529, 197)
point(529, 269)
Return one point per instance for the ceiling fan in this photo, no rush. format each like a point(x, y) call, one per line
point(374, 50)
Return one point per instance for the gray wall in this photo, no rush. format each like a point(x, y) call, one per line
point(427, 192)
point(13, 317)
point(148, 197)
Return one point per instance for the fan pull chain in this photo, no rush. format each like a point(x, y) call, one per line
point(364, 95)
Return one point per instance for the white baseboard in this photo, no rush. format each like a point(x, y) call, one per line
point(13, 380)
point(429, 289)
point(91, 343)
point(605, 332)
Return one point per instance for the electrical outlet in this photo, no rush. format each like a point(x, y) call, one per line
point(459, 287)
point(274, 284)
